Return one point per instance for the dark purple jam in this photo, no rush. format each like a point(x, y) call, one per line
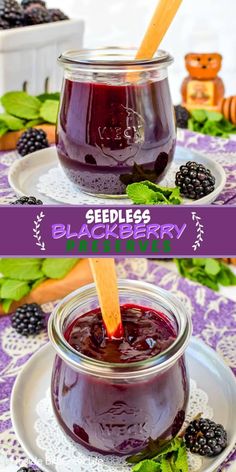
point(111, 135)
point(119, 416)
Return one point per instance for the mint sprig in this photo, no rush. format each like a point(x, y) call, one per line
point(148, 193)
point(161, 456)
point(24, 111)
point(20, 276)
point(211, 123)
point(209, 272)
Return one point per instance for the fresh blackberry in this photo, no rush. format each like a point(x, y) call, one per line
point(12, 12)
point(36, 16)
point(28, 319)
point(28, 3)
point(27, 201)
point(182, 116)
point(28, 469)
point(32, 140)
point(4, 24)
point(57, 15)
point(205, 437)
point(195, 181)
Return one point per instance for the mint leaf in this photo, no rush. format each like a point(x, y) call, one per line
point(181, 463)
point(12, 123)
point(166, 467)
point(140, 194)
point(199, 115)
point(22, 269)
point(146, 466)
point(49, 96)
point(49, 111)
point(3, 128)
point(57, 268)
point(33, 123)
point(212, 267)
point(6, 304)
point(213, 116)
point(21, 104)
point(38, 282)
point(14, 289)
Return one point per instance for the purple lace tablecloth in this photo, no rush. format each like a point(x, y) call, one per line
point(214, 321)
point(222, 150)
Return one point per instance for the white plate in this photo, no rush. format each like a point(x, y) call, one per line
point(206, 368)
point(25, 173)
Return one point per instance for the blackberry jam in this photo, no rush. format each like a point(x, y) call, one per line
point(112, 396)
point(116, 122)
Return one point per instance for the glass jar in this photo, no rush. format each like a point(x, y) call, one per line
point(117, 408)
point(116, 121)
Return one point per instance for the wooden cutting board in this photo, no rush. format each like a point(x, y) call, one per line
point(8, 141)
point(52, 290)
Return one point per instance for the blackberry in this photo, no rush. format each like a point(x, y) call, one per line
point(32, 140)
point(36, 16)
point(28, 469)
point(28, 3)
point(57, 15)
point(194, 180)
point(27, 201)
point(4, 24)
point(12, 13)
point(28, 319)
point(182, 116)
point(205, 437)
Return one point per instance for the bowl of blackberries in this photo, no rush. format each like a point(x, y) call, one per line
point(27, 13)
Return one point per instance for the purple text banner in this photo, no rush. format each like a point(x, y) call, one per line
point(184, 231)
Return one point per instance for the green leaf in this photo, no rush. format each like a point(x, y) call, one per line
point(199, 115)
point(140, 194)
point(49, 96)
point(165, 466)
point(57, 268)
point(38, 282)
point(3, 128)
point(212, 267)
point(14, 289)
point(181, 463)
point(213, 116)
point(199, 262)
point(6, 304)
point(12, 123)
point(191, 124)
point(21, 104)
point(49, 111)
point(33, 123)
point(146, 466)
point(22, 269)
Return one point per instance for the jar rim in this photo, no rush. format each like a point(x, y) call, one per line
point(127, 370)
point(108, 57)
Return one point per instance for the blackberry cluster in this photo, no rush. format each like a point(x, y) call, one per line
point(32, 140)
point(29, 3)
point(11, 13)
point(37, 16)
point(182, 116)
point(30, 12)
point(194, 180)
point(27, 469)
point(28, 319)
point(205, 437)
point(27, 201)
point(57, 15)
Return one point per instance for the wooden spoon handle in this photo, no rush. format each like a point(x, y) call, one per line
point(105, 278)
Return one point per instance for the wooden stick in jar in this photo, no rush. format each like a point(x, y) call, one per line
point(159, 25)
point(105, 278)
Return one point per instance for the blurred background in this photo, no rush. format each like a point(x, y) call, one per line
point(201, 26)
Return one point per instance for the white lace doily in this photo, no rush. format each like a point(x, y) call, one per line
point(54, 184)
point(66, 456)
